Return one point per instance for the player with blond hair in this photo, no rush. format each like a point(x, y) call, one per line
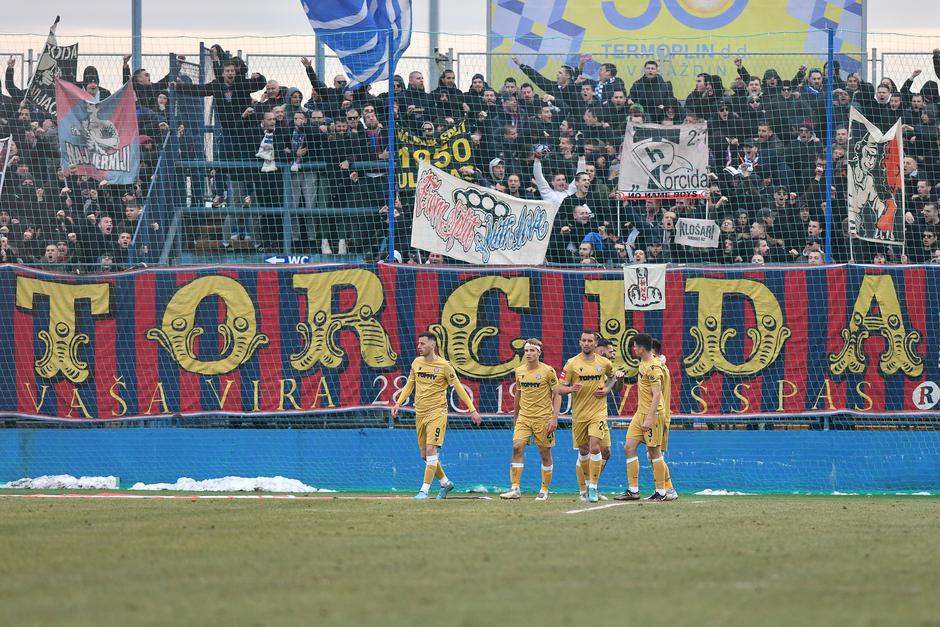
point(535, 416)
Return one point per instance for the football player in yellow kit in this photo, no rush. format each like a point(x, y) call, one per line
point(671, 494)
point(585, 376)
point(429, 378)
point(648, 422)
point(535, 415)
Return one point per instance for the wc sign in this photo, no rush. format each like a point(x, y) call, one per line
point(926, 395)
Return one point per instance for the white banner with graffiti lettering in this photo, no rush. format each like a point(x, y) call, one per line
point(644, 287)
point(476, 224)
point(659, 161)
point(697, 233)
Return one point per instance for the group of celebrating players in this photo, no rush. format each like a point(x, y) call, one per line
point(589, 378)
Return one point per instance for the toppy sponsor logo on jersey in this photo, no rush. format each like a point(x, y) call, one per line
point(926, 395)
point(527, 384)
point(590, 377)
point(427, 375)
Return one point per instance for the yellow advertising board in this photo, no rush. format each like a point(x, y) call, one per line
point(687, 37)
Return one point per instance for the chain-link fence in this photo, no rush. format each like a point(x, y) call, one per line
point(282, 161)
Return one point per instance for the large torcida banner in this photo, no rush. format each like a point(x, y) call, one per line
point(278, 341)
point(686, 36)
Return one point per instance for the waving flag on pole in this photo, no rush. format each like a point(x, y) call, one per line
point(100, 138)
point(6, 150)
point(358, 32)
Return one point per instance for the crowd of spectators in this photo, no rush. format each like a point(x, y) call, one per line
point(55, 218)
point(545, 138)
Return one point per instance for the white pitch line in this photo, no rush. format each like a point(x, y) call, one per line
point(591, 509)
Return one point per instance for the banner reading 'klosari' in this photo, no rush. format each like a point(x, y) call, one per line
point(240, 340)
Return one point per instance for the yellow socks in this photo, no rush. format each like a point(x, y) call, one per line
point(659, 474)
point(546, 478)
point(633, 474)
point(594, 466)
point(603, 465)
point(582, 471)
point(515, 474)
point(668, 476)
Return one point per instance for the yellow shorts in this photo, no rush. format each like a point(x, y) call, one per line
point(635, 431)
point(431, 428)
point(583, 430)
point(665, 444)
point(527, 430)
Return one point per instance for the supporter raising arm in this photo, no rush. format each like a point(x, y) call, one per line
point(556, 194)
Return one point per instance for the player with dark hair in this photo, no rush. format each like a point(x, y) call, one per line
point(605, 348)
point(429, 378)
point(535, 416)
point(583, 376)
point(671, 493)
point(647, 423)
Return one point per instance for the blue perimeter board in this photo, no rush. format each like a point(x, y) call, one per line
point(375, 459)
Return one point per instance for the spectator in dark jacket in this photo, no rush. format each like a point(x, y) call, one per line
point(651, 91)
point(144, 88)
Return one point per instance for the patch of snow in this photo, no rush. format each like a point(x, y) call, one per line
point(63, 482)
point(232, 484)
point(721, 493)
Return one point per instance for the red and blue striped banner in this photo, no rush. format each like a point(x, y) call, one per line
point(249, 340)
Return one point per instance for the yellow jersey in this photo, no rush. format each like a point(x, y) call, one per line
point(651, 372)
point(429, 380)
point(534, 388)
point(592, 375)
point(667, 392)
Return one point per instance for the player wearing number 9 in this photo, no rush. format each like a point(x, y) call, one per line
point(429, 378)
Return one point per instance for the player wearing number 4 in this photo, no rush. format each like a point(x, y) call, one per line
point(585, 377)
point(429, 378)
point(648, 423)
point(535, 415)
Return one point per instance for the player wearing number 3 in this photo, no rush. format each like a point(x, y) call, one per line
point(649, 422)
point(429, 378)
point(535, 415)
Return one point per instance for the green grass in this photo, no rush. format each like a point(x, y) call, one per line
point(757, 560)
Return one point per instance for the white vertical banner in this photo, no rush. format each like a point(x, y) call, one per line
point(644, 287)
point(875, 181)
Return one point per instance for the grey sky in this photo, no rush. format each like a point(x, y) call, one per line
point(243, 17)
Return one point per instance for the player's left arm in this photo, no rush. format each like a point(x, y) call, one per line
point(657, 390)
point(453, 381)
point(556, 401)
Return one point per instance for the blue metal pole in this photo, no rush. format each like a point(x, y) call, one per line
point(391, 149)
point(136, 40)
point(829, 59)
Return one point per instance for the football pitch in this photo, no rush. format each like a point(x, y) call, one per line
point(701, 560)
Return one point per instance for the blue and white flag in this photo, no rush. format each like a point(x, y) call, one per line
point(358, 32)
